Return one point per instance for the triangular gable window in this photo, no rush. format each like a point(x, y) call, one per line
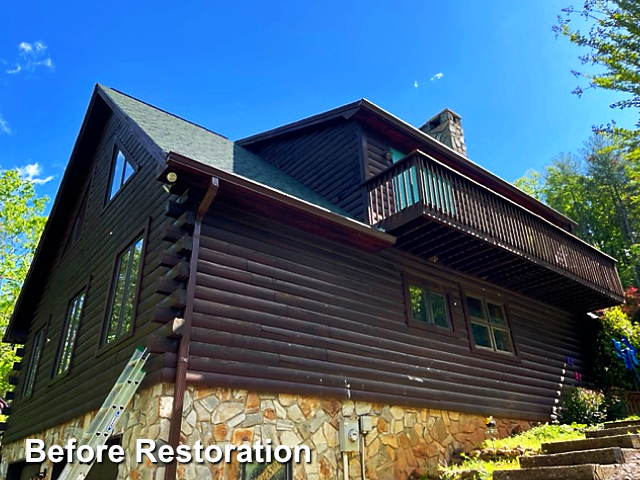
point(121, 170)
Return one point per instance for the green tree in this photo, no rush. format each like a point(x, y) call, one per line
point(21, 223)
point(597, 188)
point(611, 35)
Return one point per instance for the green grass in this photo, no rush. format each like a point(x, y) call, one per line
point(484, 467)
point(532, 439)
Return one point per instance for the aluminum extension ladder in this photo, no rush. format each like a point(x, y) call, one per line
point(104, 423)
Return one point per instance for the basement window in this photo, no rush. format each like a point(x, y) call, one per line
point(69, 334)
point(124, 286)
point(34, 359)
point(267, 471)
point(489, 325)
point(121, 170)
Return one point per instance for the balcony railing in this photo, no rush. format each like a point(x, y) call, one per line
point(420, 185)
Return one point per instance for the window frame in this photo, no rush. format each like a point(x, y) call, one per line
point(54, 373)
point(414, 280)
point(491, 352)
point(115, 146)
point(38, 339)
point(140, 234)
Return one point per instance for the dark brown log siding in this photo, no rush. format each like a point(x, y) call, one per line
point(106, 230)
point(375, 149)
point(278, 310)
point(327, 160)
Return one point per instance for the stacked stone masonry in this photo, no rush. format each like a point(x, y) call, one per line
point(403, 440)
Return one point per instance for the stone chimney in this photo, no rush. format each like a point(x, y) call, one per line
point(446, 128)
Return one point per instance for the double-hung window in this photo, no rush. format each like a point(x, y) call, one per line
point(489, 325)
point(69, 334)
point(124, 286)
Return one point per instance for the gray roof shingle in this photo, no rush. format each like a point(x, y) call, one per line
point(172, 133)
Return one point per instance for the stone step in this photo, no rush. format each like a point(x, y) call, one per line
point(573, 472)
point(622, 441)
point(612, 432)
point(627, 423)
point(600, 456)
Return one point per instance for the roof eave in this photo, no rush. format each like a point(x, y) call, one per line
point(379, 238)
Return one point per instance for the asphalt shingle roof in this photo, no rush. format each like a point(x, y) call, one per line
point(172, 133)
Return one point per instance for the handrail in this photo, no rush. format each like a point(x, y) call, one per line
point(448, 196)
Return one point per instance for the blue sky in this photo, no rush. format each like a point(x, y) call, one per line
point(243, 67)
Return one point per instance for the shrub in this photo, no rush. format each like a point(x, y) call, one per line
point(608, 371)
point(581, 405)
point(616, 404)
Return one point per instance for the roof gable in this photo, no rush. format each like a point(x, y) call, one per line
point(174, 134)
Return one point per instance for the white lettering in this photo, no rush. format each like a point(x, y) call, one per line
point(287, 452)
point(140, 449)
point(165, 454)
point(37, 447)
point(207, 454)
point(184, 454)
point(227, 452)
point(307, 453)
point(55, 453)
point(116, 454)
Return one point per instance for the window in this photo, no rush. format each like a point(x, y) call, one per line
point(123, 292)
point(69, 334)
point(121, 170)
point(34, 359)
point(429, 307)
point(489, 326)
point(267, 471)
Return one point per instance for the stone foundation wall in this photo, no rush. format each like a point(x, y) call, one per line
point(146, 417)
point(403, 439)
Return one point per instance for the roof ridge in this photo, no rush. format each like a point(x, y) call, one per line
point(104, 87)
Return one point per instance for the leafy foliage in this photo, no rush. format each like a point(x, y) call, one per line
point(607, 370)
point(21, 223)
point(612, 39)
point(581, 405)
point(600, 190)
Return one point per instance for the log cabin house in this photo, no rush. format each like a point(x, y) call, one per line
point(344, 265)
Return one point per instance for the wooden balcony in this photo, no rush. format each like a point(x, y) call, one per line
point(445, 217)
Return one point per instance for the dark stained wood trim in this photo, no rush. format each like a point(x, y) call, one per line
point(182, 358)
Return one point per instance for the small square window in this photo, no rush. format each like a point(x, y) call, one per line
point(123, 292)
point(489, 326)
point(429, 307)
point(121, 170)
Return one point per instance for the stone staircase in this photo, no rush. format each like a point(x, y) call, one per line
point(597, 457)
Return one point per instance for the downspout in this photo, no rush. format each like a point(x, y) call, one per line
point(183, 347)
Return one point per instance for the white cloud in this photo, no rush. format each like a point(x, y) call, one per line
point(415, 84)
point(32, 172)
point(15, 70)
point(31, 56)
point(4, 126)
point(437, 76)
